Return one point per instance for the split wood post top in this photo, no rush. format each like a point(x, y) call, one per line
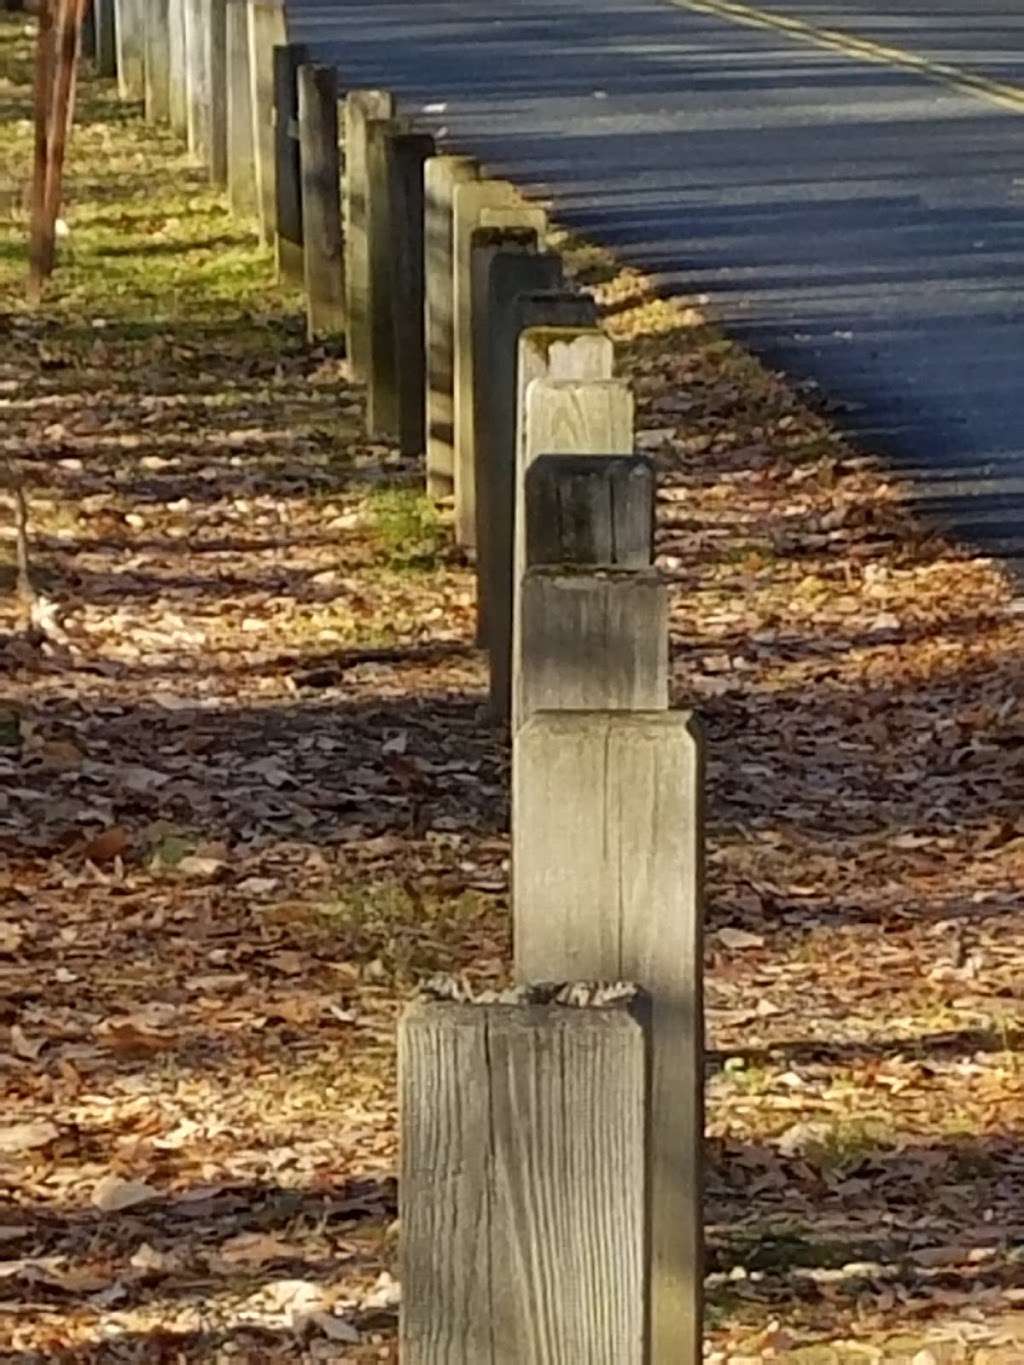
point(441, 175)
point(323, 250)
point(288, 175)
point(240, 131)
point(607, 840)
point(470, 201)
point(524, 1181)
point(266, 31)
point(361, 106)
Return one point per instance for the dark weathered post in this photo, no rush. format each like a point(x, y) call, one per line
point(592, 640)
point(130, 32)
point(410, 153)
point(266, 31)
point(473, 201)
point(590, 510)
point(323, 257)
point(241, 152)
point(524, 293)
point(441, 175)
point(288, 177)
point(158, 61)
point(607, 821)
point(217, 37)
point(361, 106)
point(104, 19)
point(381, 361)
point(524, 1181)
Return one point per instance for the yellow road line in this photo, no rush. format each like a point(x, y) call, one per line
point(1000, 93)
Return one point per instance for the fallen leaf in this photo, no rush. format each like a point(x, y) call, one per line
point(27, 1137)
point(107, 846)
point(112, 1194)
point(739, 939)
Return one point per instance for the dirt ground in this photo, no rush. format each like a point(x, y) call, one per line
point(247, 799)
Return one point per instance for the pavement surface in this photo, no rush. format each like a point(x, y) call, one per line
point(858, 222)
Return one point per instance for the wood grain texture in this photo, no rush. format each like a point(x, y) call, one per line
point(323, 263)
point(469, 199)
point(593, 641)
point(130, 39)
point(158, 61)
point(241, 154)
point(266, 31)
point(523, 1185)
point(607, 824)
point(441, 175)
point(360, 107)
point(218, 94)
point(525, 292)
point(594, 510)
point(197, 77)
point(570, 416)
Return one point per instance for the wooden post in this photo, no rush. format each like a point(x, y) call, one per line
point(590, 510)
point(104, 12)
point(89, 32)
point(197, 77)
point(177, 96)
point(241, 153)
point(381, 361)
point(524, 293)
point(524, 1183)
point(41, 233)
point(592, 640)
point(470, 200)
point(562, 417)
point(217, 38)
point(158, 61)
point(266, 31)
point(441, 175)
point(361, 106)
point(608, 865)
point(321, 201)
point(288, 177)
point(485, 243)
point(410, 153)
point(130, 32)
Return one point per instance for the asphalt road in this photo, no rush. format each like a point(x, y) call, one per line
point(859, 225)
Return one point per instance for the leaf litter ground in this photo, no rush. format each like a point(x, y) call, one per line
point(247, 799)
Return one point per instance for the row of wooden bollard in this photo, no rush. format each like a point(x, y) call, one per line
point(551, 1138)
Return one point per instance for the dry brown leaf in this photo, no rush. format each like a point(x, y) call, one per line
point(105, 847)
point(112, 1194)
point(27, 1137)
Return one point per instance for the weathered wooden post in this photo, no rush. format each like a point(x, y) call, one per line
point(441, 175)
point(177, 80)
point(592, 640)
point(217, 37)
point(607, 811)
point(197, 77)
point(288, 177)
point(241, 150)
point(524, 1179)
point(410, 152)
point(593, 511)
point(471, 200)
point(594, 615)
point(158, 61)
point(323, 254)
point(129, 26)
point(105, 22)
point(485, 244)
point(562, 417)
point(524, 293)
point(361, 106)
point(266, 31)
